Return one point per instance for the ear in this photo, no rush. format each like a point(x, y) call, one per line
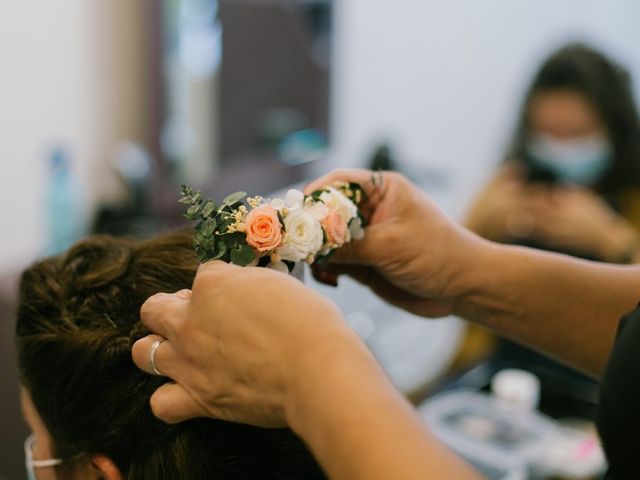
point(105, 467)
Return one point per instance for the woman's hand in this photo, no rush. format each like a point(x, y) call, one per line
point(576, 219)
point(255, 346)
point(240, 343)
point(500, 213)
point(566, 218)
point(411, 255)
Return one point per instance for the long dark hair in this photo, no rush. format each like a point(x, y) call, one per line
point(607, 87)
point(78, 317)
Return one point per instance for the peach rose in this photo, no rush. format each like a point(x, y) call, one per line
point(335, 227)
point(263, 228)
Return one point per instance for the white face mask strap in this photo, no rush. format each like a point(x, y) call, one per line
point(50, 462)
point(31, 463)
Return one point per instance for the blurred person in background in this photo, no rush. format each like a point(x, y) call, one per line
point(571, 184)
point(571, 179)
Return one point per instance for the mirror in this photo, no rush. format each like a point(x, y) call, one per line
point(246, 88)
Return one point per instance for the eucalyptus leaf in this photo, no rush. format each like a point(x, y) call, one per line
point(192, 212)
point(203, 255)
point(242, 255)
point(232, 199)
point(221, 250)
point(236, 240)
point(208, 209)
point(206, 245)
point(199, 237)
point(208, 227)
point(186, 190)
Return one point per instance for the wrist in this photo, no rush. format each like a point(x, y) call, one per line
point(481, 287)
point(324, 381)
point(359, 427)
point(469, 268)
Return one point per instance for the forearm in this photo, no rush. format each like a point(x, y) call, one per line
point(566, 308)
point(359, 427)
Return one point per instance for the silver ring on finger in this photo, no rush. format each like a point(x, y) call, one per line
point(377, 179)
point(152, 356)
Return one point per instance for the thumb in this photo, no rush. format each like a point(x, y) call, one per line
point(362, 252)
point(172, 403)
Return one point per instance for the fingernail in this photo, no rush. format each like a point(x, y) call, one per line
point(330, 279)
point(325, 277)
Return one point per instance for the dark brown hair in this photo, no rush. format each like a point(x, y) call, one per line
point(78, 317)
point(606, 86)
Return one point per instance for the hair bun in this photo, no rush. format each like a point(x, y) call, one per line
point(96, 261)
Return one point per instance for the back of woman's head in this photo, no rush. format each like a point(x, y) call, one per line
point(606, 87)
point(78, 317)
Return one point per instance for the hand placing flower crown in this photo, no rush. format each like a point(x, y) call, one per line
point(275, 233)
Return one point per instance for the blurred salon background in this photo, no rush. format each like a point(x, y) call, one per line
point(107, 107)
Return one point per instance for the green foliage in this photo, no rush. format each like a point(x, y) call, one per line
point(211, 239)
point(193, 212)
point(232, 199)
point(281, 218)
point(222, 249)
point(208, 209)
point(242, 255)
point(315, 195)
point(208, 227)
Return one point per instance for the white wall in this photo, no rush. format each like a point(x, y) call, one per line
point(40, 102)
point(444, 79)
point(70, 73)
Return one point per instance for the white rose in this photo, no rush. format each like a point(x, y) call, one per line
point(336, 201)
point(303, 236)
point(277, 203)
point(294, 198)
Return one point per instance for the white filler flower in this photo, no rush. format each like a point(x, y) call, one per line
point(336, 201)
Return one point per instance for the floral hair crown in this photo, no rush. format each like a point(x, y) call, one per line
point(275, 233)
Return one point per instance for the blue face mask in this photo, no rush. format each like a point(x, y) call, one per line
point(582, 161)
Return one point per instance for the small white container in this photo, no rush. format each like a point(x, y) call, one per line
point(516, 389)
